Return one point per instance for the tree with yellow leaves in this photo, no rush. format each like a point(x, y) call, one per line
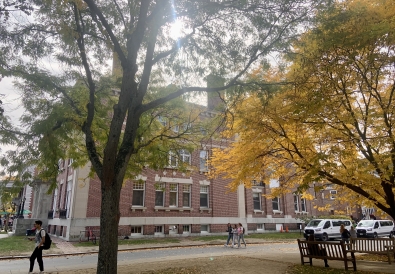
point(335, 123)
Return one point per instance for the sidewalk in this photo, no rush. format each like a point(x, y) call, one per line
point(274, 257)
point(287, 257)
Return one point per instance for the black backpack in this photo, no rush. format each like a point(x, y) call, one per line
point(48, 241)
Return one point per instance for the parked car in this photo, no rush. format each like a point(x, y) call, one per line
point(375, 228)
point(326, 229)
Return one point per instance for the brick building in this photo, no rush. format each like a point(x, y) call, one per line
point(170, 202)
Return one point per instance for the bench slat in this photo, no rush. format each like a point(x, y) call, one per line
point(382, 246)
point(333, 251)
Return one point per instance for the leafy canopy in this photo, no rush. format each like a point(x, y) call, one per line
point(335, 123)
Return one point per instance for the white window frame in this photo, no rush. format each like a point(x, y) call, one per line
point(207, 228)
point(162, 120)
point(203, 160)
point(140, 227)
point(296, 203)
point(186, 229)
point(173, 159)
point(186, 126)
point(303, 204)
point(68, 197)
point(173, 188)
point(259, 195)
point(185, 156)
point(332, 194)
point(176, 128)
point(160, 187)
point(276, 200)
point(140, 187)
point(55, 199)
point(70, 161)
point(158, 230)
point(204, 189)
point(186, 190)
point(260, 227)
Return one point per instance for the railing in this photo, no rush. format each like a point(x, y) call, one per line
point(50, 214)
point(63, 213)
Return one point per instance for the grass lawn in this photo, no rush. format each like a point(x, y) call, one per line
point(15, 245)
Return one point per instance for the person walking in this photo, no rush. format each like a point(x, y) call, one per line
point(38, 250)
point(345, 234)
point(234, 233)
point(240, 232)
point(230, 234)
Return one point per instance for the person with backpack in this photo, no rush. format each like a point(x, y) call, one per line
point(230, 234)
point(38, 250)
point(240, 232)
point(345, 234)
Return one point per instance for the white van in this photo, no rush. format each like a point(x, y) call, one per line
point(374, 228)
point(326, 229)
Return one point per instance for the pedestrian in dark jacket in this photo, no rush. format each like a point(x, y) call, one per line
point(345, 234)
point(230, 234)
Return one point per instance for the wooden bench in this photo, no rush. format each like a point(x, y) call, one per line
point(333, 251)
point(381, 246)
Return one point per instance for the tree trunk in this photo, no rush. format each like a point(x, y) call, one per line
point(109, 219)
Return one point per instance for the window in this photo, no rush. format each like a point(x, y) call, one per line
point(176, 128)
point(158, 229)
point(60, 164)
point(296, 203)
point(162, 120)
point(186, 126)
point(160, 194)
point(204, 228)
point(138, 194)
point(68, 197)
point(186, 195)
point(136, 230)
point(303, 205)
point(173, 161)
point(203, 156)
point(173, 195)
point(70, 162)
point(256, 197)
point(260, 227)
point(55, 199)
point(276, 203)
point(185, 156)
point(185, 229)
point(203, 196)
point(332, 194)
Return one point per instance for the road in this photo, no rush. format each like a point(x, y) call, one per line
point(55, 264)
